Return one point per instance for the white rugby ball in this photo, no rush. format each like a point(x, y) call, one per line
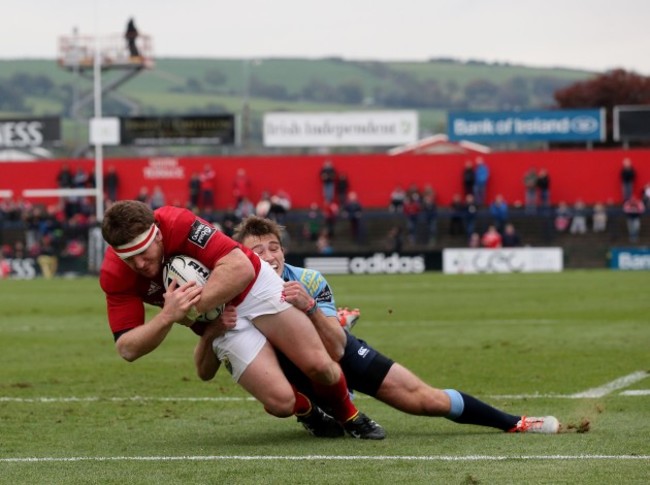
point(184, 269)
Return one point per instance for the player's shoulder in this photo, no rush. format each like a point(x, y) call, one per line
point(115, 276)
point(298, 273)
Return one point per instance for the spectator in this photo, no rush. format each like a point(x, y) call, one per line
point(330, 215)
point(474, 240)
point(354, 211)
point(280, 206)
point(74, 248)
point(395, 239)
point(544, 187)
point(80, 179)
point(47, 258)
point(530, 187)
point(482, 176)
point(342, 188)
point(579, 219)
point(412, 214)
point(263, 205)
point(413, 192)
point(397, 197)
point(323, 243)
point(246, 208)
point(510, 238)
point(229, 221)
point(157, 198)
point(313, 226)
point(207, 186)
point(194, 186)
point(456, 217)
point(470, 213)
point(5, 267)
point(469, 178)
point(645, 195)
point(633, 209)
point(430, 217)
point(65, 178)
point(491, 239)
point(499, 212)
point(111, 183)
point(562, 217)
point(143, 195)
point(241, 186)
point(328, 181)
point(599, 218)
point(628, 177)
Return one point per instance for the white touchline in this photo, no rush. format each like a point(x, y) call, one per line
point(616, 384)
point(325, 457)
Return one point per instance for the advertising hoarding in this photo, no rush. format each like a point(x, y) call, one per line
point(630, 259)
point(30, 132)
point(549, 125)
point(631, 123)
point(511, 260)
point(178, 130)
point(371, 128)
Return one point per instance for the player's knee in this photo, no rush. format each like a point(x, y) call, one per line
point(323, 371)
point(280, 405)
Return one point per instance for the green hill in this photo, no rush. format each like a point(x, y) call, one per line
point(201, 86)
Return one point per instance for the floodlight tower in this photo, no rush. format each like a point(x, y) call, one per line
point(77, 54)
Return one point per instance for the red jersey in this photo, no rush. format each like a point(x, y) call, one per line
point(491, 240)
point(182, 233)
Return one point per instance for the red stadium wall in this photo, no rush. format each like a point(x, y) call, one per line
point(589, 175)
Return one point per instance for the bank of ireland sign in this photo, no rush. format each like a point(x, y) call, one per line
point(551, 125)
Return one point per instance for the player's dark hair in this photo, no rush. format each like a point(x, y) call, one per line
point(125, 220)
point(257, 227)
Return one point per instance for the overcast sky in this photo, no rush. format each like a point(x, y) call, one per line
point(587, 34)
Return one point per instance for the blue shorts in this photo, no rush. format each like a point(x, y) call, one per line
point(364, 368)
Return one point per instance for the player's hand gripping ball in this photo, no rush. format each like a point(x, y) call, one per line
point(184, 269)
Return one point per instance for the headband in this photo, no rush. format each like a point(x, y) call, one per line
point(138, 245)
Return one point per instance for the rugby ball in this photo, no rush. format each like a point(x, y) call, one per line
point(184, 269)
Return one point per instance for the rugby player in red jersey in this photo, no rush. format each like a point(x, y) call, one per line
point(141, 240)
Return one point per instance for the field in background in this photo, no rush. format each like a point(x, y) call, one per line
point(573, 344)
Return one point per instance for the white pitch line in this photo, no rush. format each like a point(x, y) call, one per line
point(615, 385)
point(636, 392)
point(326, 457)
point(601, 391)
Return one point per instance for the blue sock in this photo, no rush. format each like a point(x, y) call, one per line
point(466, 409)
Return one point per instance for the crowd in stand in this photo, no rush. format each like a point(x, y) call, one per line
point(61, 229)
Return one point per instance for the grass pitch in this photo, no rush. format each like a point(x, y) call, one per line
point(573, 344)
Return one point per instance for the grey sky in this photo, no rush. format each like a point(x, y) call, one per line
point(587, 34)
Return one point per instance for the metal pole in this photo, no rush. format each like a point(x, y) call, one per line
point(99, 154)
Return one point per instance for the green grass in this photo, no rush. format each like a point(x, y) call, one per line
point(498, 337)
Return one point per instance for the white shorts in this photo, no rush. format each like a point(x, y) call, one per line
point(237, 348)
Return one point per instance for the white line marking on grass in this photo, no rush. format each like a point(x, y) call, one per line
point(325, 457)
point(615, 385)
point(589, 393)
point(601, 391)
point(637, 392)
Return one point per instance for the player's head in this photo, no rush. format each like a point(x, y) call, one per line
point(129, 227)
point(264, 237)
